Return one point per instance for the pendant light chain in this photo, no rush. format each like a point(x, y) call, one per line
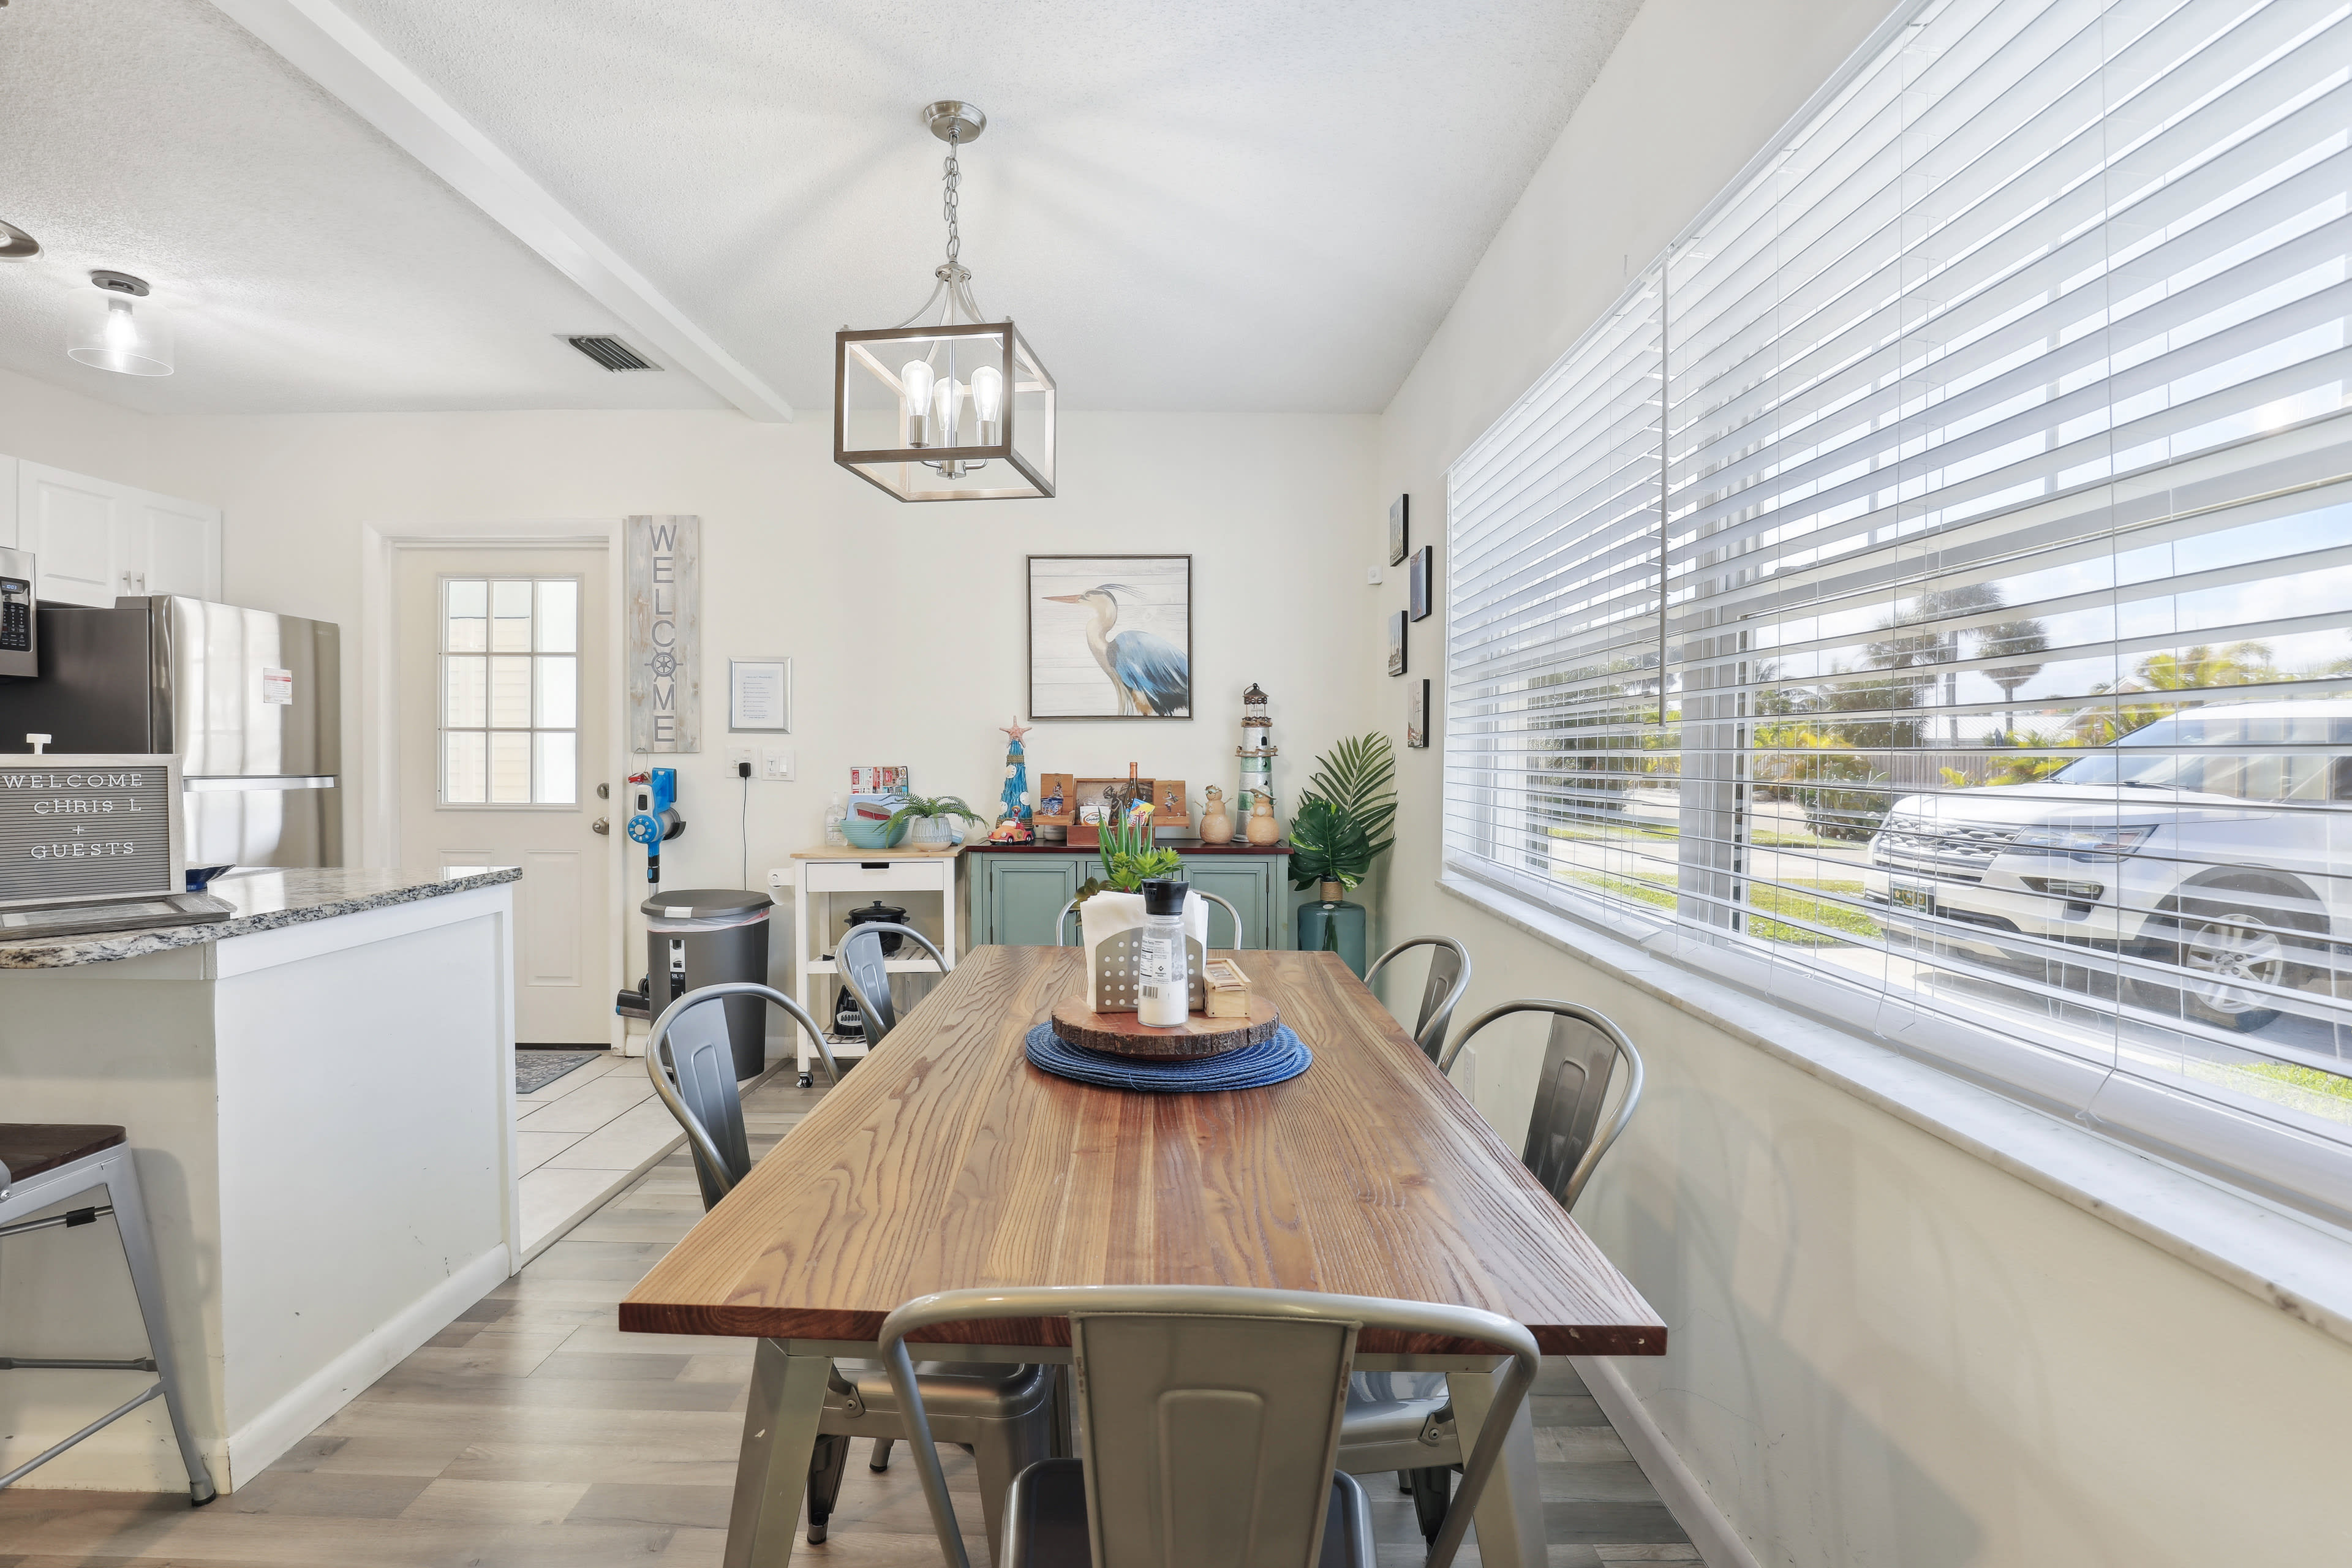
point(947, 206)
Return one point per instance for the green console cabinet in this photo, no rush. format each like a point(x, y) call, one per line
point(1018, 889)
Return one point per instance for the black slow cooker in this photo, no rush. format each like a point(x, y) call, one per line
point(879, 913)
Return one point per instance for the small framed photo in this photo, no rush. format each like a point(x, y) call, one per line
point(1399, 529)
point(1169, 808)
point(1396, 642)
point(1057, 796)
point(1424, 566)
point(1416, 714)
point(759, 696)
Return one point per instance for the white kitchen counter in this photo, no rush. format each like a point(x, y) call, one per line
point(321, 1095)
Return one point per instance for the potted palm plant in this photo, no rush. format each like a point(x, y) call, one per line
point(1342, 825)
point(929, 817)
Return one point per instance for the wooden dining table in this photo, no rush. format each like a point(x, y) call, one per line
point(946, 1160)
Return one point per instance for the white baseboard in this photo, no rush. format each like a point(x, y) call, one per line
point(301, 1411)
point(1718, 1543)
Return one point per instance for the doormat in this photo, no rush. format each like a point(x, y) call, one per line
point(535, 1069)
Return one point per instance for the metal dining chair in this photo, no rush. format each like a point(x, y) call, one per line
point(866, 972)
point(1207, 1420)
point(1062, 920)
point(1404, 1421)
point(1449, 977)
point(1003, 1412)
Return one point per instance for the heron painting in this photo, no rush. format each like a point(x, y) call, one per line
point(1110, 636)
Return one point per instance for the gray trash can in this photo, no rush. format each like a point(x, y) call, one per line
point(707, 936)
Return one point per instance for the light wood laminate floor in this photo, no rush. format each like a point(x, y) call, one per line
point(533, 1432)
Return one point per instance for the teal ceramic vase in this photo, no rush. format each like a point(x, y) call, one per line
point(1331, 924)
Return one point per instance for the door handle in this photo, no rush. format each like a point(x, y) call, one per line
point(600, 826)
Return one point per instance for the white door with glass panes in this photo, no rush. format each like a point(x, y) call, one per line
point(502, 744)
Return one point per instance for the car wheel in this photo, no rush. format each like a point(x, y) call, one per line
point(2232, 953)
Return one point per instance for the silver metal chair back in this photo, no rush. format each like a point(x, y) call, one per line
point(867, 975)
point(1449, 978)
point(692, 1064)
point(1208, 1415)
point(1565, 1137)
point(1062, 921)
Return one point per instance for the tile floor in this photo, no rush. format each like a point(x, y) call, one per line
point(583, 1138)
point(532, 1432)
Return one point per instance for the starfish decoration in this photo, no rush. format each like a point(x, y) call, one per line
point(1016, 729)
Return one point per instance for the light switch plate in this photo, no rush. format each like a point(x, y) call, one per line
point(1372, 576)
point(778, 764)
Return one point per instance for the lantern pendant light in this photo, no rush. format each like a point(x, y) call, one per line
point(946, 405)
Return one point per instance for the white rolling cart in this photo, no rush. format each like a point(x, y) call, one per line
point(824, 875)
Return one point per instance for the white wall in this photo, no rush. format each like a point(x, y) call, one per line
point(906, 623)
point(1882, 1350)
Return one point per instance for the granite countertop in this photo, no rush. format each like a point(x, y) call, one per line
point(264, 900)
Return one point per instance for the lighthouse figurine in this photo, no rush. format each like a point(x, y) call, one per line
point(1257, 750)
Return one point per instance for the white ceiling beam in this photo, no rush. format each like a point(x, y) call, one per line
point(335, 52)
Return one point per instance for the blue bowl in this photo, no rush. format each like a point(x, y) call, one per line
point(874, 834)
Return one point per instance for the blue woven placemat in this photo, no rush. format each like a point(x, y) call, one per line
point(1252, 1066)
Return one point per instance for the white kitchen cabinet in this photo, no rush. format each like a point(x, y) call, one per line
point(94, 539)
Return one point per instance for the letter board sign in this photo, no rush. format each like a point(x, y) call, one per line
point(77, 829)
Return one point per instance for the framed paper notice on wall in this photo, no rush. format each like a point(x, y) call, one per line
point(759, 695)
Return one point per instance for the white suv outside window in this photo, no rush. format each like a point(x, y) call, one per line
point(2210, 845)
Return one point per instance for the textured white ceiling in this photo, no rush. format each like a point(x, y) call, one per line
point(307, 263)
point(1203, 204)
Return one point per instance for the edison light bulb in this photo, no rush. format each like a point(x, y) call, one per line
point(988, 401)
point(916, 377)
point(950, 392)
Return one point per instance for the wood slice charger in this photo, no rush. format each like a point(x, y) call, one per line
point(1122, 1034)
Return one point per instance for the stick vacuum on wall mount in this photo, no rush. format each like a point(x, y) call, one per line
point(653, 823)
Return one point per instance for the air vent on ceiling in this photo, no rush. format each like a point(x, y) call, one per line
point(611, 352)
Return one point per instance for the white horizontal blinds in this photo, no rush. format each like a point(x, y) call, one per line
point(1552, 632)
point(2006, 434)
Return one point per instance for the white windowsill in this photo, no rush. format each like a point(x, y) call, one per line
point(2301, 1267)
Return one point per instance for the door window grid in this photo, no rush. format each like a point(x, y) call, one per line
point(509, 716)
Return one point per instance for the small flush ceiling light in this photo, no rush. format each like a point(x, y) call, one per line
point(113, 332)
point(15, 244)
point(946, 405)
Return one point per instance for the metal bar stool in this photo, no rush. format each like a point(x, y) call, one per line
point(43, 1164)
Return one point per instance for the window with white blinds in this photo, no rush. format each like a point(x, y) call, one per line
point(1928, 594)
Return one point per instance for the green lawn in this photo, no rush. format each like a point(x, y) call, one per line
point(2309, 1078)
point(1785, 899)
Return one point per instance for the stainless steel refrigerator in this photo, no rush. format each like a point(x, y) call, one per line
point(251, 702)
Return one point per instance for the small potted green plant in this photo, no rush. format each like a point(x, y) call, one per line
point(1342, 825)
point(1129, 857)
point(927, 816)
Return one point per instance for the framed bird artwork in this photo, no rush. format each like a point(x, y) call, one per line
point(1110, 636)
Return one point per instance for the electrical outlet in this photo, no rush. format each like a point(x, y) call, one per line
point(1372, 576)
point(778, 764)
point(739, 754)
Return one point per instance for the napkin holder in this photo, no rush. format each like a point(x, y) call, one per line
point(1110, 930)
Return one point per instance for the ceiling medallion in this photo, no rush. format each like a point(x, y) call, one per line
point(946, 405)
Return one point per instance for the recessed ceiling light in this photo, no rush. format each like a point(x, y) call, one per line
point(15, 244)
